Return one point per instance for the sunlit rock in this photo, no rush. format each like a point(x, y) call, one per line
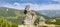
point(53, 20)
point(42, 20)
point(29, 16)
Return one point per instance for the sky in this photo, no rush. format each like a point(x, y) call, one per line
point(34, 4)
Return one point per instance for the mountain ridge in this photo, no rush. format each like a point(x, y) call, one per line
point(50, 13)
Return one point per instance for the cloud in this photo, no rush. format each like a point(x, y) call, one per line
point(50, 7)
point(33, 6)
point(21, 6)
point(16, 4)
point(56, 0)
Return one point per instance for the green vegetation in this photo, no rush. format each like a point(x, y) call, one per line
point(6, 23)
point(13, 17)
point(57, 22)
point(57, 26)
point(48, 21)
point(42, 26)
point(10, 12)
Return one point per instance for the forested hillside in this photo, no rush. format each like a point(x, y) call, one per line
point(9, 12)
point(14, 15)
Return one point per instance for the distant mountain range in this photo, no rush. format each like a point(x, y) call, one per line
point(50, 13)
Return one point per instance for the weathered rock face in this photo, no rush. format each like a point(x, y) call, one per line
point(29, 17)
point(42, 20)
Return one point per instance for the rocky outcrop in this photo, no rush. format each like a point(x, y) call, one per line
point(42, 21)
point(29, 16)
